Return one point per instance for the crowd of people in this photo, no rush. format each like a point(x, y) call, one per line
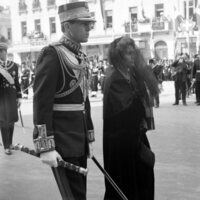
point(184, 71)
point(63, 125)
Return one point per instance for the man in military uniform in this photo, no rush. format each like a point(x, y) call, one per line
point(196, 78)
point(180, 78)
point(62, 118)
point(10, 97)
point(25, 79)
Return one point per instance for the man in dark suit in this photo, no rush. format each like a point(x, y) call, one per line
point(61, 104)
point(196, 77)
point(180, 79)
point(10, 97)
point(25, 80)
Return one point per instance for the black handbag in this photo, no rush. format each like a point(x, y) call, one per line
point(146, 155)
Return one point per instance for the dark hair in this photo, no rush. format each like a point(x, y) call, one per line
point(143, 72)
point(151, 61)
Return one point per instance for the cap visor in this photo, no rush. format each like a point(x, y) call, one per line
point(85, 19)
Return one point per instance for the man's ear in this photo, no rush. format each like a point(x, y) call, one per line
point(67, 26)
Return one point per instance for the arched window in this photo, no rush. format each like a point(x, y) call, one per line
point(161, 50)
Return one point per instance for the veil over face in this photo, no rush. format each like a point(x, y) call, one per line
point(124, 53)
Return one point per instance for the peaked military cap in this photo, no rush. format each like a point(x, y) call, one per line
point(75, 11)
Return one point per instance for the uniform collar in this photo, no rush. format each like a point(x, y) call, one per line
point(69, 43)
point(3, 63)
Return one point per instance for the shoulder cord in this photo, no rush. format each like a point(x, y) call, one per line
point(64, 61)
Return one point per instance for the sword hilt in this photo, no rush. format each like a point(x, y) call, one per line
point(61, 163)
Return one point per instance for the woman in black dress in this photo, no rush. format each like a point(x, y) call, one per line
point(127, 115)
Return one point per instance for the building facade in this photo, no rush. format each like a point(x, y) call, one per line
point(154, 25)
point(5, 25)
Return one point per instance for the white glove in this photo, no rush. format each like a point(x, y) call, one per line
point(91, 150)
point(19, 102)
point(50, 158)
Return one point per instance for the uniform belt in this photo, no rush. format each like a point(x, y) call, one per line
point(198, 71)
point(68, 107)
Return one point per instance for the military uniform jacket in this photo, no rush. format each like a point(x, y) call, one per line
point(57, 85)
point(196, 70)
point(9, 92)
point(181, 71)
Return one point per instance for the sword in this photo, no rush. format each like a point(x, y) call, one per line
point(20, 116)
point(111, 181)
point(61, 163)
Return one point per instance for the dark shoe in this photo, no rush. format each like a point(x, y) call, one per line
point(184, 103)
point(198, 104)
point(175, 104)
point(156, 106)
point(8, 152)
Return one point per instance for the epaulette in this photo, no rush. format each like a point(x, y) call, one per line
point(43, 51)
point(46, 49)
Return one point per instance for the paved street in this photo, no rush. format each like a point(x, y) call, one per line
point(176, 143)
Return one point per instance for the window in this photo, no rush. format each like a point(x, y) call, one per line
point(93, 16)
point(9, 34)
point(133, 14)
point(22, 5)
point(190, 9)
point(51, 3)
point(109, 20)
point(159, 10)
point(36, 4)
point(24, 29)
point(37, 25)
point(52, 23)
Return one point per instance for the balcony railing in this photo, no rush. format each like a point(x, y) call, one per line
point(23, 11)
point(134, 27)
point(160, 23)
point(22, 8)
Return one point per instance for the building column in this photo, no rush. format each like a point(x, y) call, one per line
point(101, 52)
point(17, 58)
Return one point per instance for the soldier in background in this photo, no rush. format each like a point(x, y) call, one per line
point(32, 74)
point(196, 78)
point(157, 70)
point(10, 97)
point(180, 79)
point(25, 80)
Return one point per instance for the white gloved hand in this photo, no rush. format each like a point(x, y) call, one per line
point(19, 102)
point(91, 150)
point(50, 158)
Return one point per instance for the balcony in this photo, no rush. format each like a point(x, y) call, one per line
point(144, 27)
point(160, 24)
point(36, 6)
point(134, 27)
point(38, 9)
point(51, 7)
point(21, 12)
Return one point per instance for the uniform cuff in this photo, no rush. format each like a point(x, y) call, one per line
point(43, 143)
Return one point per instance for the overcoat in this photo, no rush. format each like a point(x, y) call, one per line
point(124, 115)
point(9, 92)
